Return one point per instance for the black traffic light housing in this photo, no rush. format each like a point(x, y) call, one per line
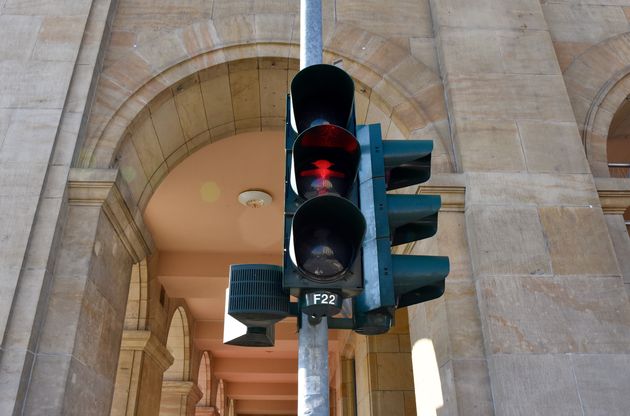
point(324, 228)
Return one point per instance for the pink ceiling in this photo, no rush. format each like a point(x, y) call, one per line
point(196, 208)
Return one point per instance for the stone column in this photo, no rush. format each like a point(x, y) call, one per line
point(179, 398)
point(142, 362)
point(48, 53)
point(75, 365)
point(384, 377)
point(348, 388)
point(554, 314)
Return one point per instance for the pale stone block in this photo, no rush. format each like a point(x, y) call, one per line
point(464, 324)
point(98, 18)
point(423, 49)
point(46, 391)
point(235, 29)
point(151, 16)
point(21, 179)
point(445, 404)
point(527, 52)
point(530, 189)
point(272, 92)
point(273, 27)
point(489, 146)
point(603, 382)
point(383, 343)
point(167, 127)
point(245, 88)
point(621, 243)
point(129, 73)
point(553, 147)
point(568, 51)
point(578, 241)
point(590, 23)
point(79, 400)
point(169, 51)
point(412, 78)
point(466, 51)
point(177, 156)
point(247, 125)
point(503, 14)
point(451, 239)
point(46, 7)
point(59, 38)
point(14, 371)
point(407, 18)
point(543, 315)
point(18, 34)
point(541, 381)
point(147, 146)
point(82, 81)
point(217, 99)
point(472, 387)
point(131, 169)
point(386, 403)
point(506, 240)
point(190, 107)
point(508, 96)
point(30, 136)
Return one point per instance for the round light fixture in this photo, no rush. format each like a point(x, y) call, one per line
point(254, 198)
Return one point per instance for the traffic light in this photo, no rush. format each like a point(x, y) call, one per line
point(395, 281)
point(324, 229)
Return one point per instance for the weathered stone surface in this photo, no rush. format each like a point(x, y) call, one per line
point(621, 243)
point(602, 383)
point(486, 146)
point(18, 34)
point(503, 14)
point(554, 315)
point(530, 189)
point(552, 147)
point(578, 241)
point(541, 381)
point(507, 241)
point(472, 387)
point(584, 22)
point(510, 97)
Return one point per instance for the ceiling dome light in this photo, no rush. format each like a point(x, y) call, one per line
point(254, 198)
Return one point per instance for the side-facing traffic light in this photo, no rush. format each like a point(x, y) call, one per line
point(395, 281)
point(324, 228)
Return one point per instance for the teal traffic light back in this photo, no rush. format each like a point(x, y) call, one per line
point(395, 281)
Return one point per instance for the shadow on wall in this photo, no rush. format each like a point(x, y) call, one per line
point(426, 378)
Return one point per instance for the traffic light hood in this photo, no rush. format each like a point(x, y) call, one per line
point(322, 94)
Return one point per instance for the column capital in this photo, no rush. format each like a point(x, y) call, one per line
point(614, 194)
point(184, 388)
point(103, 187)
point(148, 343)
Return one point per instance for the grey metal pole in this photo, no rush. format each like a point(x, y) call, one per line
point(310, 33)
point(313, 398)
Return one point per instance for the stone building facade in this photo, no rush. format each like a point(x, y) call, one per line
point(527, 104)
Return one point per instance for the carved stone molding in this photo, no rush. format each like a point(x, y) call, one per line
point(102, 187)
point(148, 343)
point(450, 187)
point(183, 388)
point(614, 194)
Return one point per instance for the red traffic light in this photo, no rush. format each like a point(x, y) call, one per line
point(325, 161)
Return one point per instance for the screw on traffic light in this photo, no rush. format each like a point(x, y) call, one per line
point(395, 281)
point(324, 228)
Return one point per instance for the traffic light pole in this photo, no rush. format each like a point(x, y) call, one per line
point(313, 398)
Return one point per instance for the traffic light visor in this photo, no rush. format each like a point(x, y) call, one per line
point(322, 94)
point(325, 161)
point(326, 236)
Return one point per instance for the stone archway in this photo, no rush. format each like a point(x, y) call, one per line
point(179, 394)
point(596, 92)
